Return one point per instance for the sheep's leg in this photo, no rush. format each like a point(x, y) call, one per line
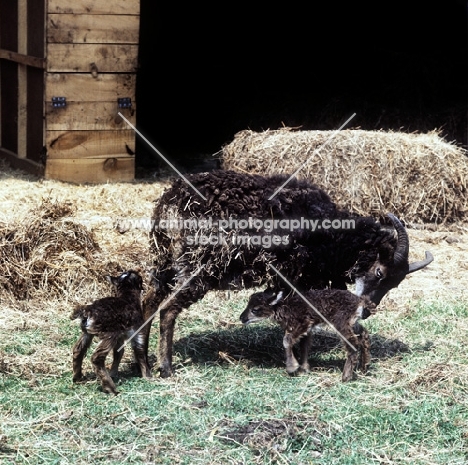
point(138, 345)
point(352, 354)
point(305, 344)
point(150, 307)
point(79, 352)
point(364, 343)
point(291, 363)
point(166, 329)
point(99, 359)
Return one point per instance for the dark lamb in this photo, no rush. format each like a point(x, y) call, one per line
point(340, 308)
point(372, 256)
point(112, 320)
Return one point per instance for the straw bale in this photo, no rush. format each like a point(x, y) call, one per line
point(44, 253)
point(419, 177)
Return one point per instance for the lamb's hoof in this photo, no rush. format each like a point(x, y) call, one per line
point(77, 378)
point(110, 390)
point(364, 369)
point(347, 377)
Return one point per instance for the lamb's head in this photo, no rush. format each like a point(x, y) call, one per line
point(390, 267)
point(366, 307)
point(261, 305)
point(128, 281)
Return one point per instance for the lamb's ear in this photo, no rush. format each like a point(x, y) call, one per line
point(111, 279)
point(278, 298)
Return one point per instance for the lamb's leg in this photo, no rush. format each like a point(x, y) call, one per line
point(138, 345)
point(79, 352)
point(166, 329)
point(364, 342)
point(305, 344)
point(352, 355)
point(99, 359)
point(117, 358)
point(291, 363)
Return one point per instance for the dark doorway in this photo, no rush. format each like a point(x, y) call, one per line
point(208, 71)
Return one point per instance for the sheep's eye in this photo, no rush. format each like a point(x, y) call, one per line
point(255, 310)
point(378, 273)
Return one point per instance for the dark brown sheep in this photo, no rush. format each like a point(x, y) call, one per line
point(112, 320)
point(340, 308)
point(373, 256)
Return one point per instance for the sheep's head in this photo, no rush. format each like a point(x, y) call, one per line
point(390, 267)
point(261, 305)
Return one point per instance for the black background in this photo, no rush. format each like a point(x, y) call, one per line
point(208, 71)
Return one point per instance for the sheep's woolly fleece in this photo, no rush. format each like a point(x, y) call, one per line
point(418, 177)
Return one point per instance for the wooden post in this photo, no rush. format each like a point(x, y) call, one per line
point(22, 79)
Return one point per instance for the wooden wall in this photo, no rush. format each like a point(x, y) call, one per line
point(92, 53)
point(87, 52)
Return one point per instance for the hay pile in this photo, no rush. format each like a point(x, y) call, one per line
point(419, 177)
point(45, 253)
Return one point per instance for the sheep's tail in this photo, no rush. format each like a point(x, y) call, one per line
point(78, 312)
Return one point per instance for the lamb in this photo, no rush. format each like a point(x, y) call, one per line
point(341, 308)
point(112, 319)
point(190, 260)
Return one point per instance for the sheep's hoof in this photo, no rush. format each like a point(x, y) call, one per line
point(292, 370)
point(165, 372)
point(303, 370)
point(78, 377)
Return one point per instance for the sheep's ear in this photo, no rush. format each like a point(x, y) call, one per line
point(278, 298)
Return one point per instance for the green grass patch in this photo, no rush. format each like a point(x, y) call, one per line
point(231, 400)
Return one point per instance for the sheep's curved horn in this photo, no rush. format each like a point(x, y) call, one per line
point(402, 249)
point(415, 266)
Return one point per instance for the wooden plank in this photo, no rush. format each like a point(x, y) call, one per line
point(79, 58)
point(22, 79)
point(89, 144)
point(22, 59)
point(88, 116)
point(21, 163)
point(22, 111)
point(92, 29)
point(22, 27)
point(91, 170)
point(85, 88)
point(95, 7)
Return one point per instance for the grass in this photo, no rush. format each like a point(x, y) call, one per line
point(232, 402)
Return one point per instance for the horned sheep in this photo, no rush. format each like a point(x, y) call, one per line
point(299, 314)
point(190, 261)
point(112, 319)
